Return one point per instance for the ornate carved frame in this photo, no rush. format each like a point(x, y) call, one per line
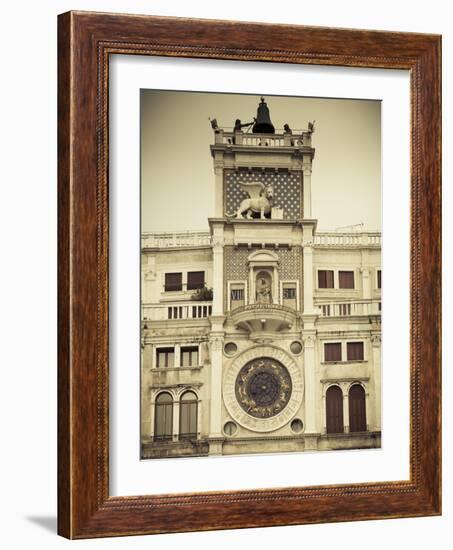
point(85, 41)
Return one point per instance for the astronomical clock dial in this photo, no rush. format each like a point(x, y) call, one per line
point(263, 387)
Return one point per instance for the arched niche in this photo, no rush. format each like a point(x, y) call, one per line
point(263, 277)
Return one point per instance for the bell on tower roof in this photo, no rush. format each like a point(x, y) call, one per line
point(263, 124)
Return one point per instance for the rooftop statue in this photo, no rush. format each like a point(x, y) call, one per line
point(214, 124)
point(238, 124)
point(260, 200)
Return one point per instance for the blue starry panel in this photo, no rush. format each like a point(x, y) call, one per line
point(287, 190)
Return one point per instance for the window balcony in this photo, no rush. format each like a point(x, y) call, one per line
point(258, 319)
point(177, 311)
point(350, 309)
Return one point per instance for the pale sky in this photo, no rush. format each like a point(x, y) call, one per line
point(177, 168)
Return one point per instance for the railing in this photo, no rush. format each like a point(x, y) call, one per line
point(298, 138)
point(203, 238)
point(351, 239)
point(348, 309)
point(176, 240)
point(177, 310)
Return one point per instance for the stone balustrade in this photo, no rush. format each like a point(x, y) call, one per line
point(348, 240)
point(186, 239)
point(194, 239)
point(176, 311)
point(348, 309)
point(298, 138)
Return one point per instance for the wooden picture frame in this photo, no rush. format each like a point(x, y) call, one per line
point(85, 42)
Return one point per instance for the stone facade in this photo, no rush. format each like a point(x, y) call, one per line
point(285, 353)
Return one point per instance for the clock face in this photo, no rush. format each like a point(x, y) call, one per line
point(263, 387)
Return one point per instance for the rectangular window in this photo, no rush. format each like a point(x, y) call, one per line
point(346, 279)
point(355, 351)
point(379, 279)
point(237, 294)
point(332, 352)
point(325, 279)
point(173, 282)
point(195, 279)
point(166, 357)
point(289, 293)
point(189, 356)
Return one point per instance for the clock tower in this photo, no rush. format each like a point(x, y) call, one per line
point(262, 337)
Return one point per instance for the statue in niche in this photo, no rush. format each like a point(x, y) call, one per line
point(263, 288)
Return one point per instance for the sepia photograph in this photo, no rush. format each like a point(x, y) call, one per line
point(261, 274)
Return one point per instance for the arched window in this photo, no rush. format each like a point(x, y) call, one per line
point(163, 417)
point(334, 410)
point(188, 415)
point(357, 410)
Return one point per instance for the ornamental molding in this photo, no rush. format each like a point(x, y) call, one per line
point(376, 340)
point(235, 410)
point(150, 275)
point(217, 243)
point(344, 384)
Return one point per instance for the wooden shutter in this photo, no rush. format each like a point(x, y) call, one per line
point(346, 279)
point(163, 417)
point(188, 412)
point(189, 357)
point(195, 279)
point(325, 279)
point(334, 410)
point(173, 281)
point(166, 357)
point(355, 351)
point(332, 352)
point(357, 409)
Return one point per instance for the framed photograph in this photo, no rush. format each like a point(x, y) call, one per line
point(249, 275)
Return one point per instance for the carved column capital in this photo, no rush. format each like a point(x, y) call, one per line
point(217, 243)
point(309, 341)
point(216, 342)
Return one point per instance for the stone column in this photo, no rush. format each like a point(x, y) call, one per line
point(215, 413)
point(146, 418)
point(176, 419)
point(307, 187)
point(367, 409)
point(151, 405)
point(199, 417)
point(376, 347)
point(177, 355)
point(216, 341)
point(310, 382)
point(345, 409)
point(308, 281)
point(218, 194)
point(217, 269)
point(366, 285)
point(153, 364)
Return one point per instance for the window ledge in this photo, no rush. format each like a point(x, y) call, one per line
point(344, 362)
point(171, 369)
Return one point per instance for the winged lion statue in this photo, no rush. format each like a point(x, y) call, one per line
point(260, 200)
